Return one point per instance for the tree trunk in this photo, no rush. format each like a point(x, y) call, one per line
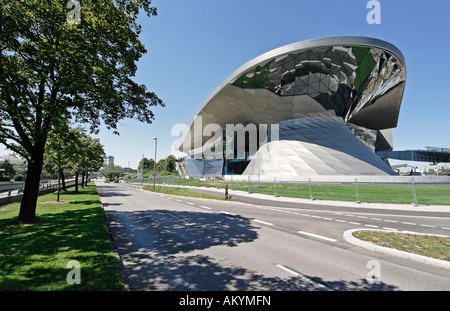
point(83, 173)
point(76, 181)
point(63, 182)
point(27, 212)
point(86, 181)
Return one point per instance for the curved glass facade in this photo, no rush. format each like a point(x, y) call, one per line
point(341, 78)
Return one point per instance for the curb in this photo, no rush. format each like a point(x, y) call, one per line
point(348, 236)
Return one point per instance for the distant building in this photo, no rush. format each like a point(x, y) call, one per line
point(111, 160)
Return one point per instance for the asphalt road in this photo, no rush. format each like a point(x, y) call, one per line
point(177, 243)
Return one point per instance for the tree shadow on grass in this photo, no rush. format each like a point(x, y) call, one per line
point(34, 255)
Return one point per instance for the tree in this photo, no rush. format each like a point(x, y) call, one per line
point(171, 163)
point(7, 171)
point(144, 164)
point(76, 151)
point(56, 156)
point(54, 68)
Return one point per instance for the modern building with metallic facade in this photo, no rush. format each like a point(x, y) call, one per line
point(318, 107)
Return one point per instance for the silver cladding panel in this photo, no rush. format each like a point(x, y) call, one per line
point(316, 146)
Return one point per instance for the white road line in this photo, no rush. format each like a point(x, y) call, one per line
point(364, 217)
point(429, 226)
point(177, 218)
point(445, 228)
point(317, 236)
point(223, 212)
point(295, 213)
point(326, 218)
point(263, 222)
point(339, 220)
point(190, 203)
point(408, 223)
point(375, 218)
point(178, 200)
point(392, 229)
point(303, 278)
point(354, 223)
point(143, 202)
point(206, 207)
point(390, 220)
point(371, 226)
point(306, 215)
point(318, 217)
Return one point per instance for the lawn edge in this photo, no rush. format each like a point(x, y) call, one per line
point(348, 236)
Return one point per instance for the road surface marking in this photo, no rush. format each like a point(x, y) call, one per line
point(339, 220)
point(177, 218)
point(371, 226)
point(317, 236)
point(326, 218)
point(304, 278)
point(228, 213)
point(429, 226)
point(392, 229)
point(362, 217)
point(143, 202)
point(263, 222)
point(354, 223)
point(205, 207)
point(375, 218)
point(318, 217)
point(408, 223)
point(390, 220)
point(445, 228)
point(190, 203)
point(178, 200)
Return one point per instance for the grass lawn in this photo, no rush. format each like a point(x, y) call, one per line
point(182, 192)
point(425, 245)
point(403, 194)
point(34, 257)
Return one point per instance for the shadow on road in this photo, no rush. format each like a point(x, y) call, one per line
point(158, 250)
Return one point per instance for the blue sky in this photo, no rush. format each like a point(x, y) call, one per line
point(194, 45)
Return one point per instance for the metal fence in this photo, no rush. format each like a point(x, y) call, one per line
point(407, 192)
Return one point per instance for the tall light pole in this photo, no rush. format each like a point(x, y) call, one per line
point(154, 166)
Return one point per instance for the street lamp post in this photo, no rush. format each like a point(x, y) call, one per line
point(154, 166)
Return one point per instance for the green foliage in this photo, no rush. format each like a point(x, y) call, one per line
point(52, 71)
point(18, 177)
point(7, 169)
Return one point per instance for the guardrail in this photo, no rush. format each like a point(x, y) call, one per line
point(13, 192)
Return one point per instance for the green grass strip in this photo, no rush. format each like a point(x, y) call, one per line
point(35, 257)
point(426, 245)
point(185, 192)
point(400, 194)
